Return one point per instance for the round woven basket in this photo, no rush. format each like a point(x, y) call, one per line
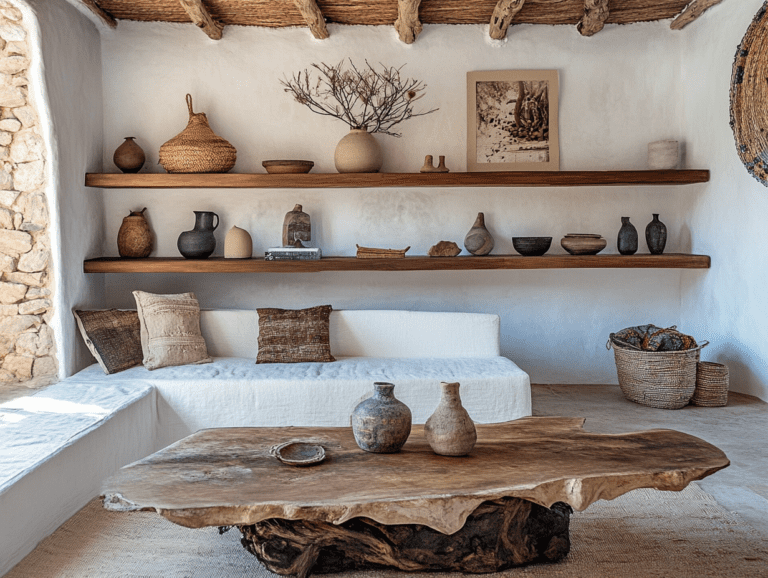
point(711, 385)
point(661, 379)
point(197, 149)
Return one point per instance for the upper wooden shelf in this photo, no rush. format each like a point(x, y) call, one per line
point(417, 263)
point(372, 180)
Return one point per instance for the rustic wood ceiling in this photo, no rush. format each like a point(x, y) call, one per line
point(406, 15)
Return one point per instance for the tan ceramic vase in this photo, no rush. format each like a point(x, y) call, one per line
point(449, 430)
point(479, 240)
point(129, 157)
point(134, 239)
point(358, 152)
point(238, 244)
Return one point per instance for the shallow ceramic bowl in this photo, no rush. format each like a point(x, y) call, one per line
point(299, 453)
point(287, 167)
point(531, 246)
point(583, 243)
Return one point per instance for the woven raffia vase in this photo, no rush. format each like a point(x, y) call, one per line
point(711, 385)
point(197, 149)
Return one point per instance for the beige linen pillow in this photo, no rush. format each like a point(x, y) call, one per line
point(113, 336)
point(170, 329)
point(294, 335)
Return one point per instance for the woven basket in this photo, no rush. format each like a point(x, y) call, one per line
point(661, 379)
point(711, 385)
point(197, 149)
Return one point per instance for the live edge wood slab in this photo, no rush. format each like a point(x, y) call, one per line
point(505, 504)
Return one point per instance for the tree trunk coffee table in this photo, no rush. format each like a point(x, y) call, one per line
point(505, 504)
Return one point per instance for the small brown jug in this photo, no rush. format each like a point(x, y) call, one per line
point(134, 239)
point(479, 240)
point(129, 157)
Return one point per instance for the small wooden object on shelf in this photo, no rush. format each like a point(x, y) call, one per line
point(444, 249)
point(430, 168)
point(287, 167)
point(372, 253)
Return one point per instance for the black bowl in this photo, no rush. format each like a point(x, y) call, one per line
point(531, 246)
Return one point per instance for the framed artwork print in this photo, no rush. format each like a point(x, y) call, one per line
point(512, 120)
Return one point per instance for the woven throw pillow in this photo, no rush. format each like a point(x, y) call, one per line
point(170, 329)
point(112, 336)
point(294, 335)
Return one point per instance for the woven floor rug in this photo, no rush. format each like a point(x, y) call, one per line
point(645, 533)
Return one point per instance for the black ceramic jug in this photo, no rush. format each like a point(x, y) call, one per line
point(656, 235)
point(627, 239)
point(199, 243)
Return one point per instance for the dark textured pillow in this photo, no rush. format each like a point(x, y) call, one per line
point(113, 336)
point(294, 335)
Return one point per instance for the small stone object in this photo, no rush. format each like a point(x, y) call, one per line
point(129, 157)
point(381, 424)
point(296, 227)
point(298, 453)
point(626, 241)
point(663, 155)
point(449, 430)
point(444, 249)
point(479, 240)
point(656, 235)
point(238, 244)
point(428, 167)
point(134, 239)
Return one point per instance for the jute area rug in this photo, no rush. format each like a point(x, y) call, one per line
point(645, 533)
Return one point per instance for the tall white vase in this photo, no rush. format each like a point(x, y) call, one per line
point(358, 152)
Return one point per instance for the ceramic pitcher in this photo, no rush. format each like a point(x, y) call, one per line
point(199, 243)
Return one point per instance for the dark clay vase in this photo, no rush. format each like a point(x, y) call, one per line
point(199, 243)
point(656, 235)
point(381, 423)
point(627, 241)
point(129, 157)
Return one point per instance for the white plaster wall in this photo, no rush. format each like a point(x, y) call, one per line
point(619, 90)
point(71, 63)
point(730, 305)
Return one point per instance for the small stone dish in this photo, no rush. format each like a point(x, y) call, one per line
point(583, 243)
point(285, 167)
point(531, 246)
point(298, 453)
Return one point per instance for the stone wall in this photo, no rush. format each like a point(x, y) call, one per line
point(26, 337)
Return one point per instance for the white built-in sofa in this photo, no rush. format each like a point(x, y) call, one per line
point(57, 446)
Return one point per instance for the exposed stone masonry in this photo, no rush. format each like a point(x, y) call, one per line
point(26, 338)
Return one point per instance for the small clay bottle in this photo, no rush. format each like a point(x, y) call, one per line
point(656, 235)
point(129, 157)
point(627, 239)
point(134, 239)
point(381, 423)
point(449, 430)
point(479, 240)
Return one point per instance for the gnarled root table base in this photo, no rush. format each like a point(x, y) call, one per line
point(498, 535)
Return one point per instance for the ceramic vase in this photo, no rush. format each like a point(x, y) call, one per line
point(238, 244)
point(134, 239)
point(449, 430)
point(656, 235)
point(358, 152)
point(627, 240)
point(479, 240)
point(199, 243)
point(381, 424)
point(129, 157)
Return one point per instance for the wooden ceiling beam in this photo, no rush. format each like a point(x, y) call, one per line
point(105, 16)
point(595, 14)
point(408, 25)
point(202, 18)
point(314, 17)
point(692, 12)
point(502, 17)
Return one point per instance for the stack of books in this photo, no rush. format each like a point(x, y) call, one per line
point(292, 253)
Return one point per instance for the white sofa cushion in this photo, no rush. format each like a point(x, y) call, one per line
point(367, 333)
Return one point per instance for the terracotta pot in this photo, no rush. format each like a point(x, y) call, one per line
point(479, 240)
point(134, 239)
point(199, 243)
point(238, 244)
point(626, 241)
point(358, 152)
point(129, 157)
point(449, 430)
point(381, 424)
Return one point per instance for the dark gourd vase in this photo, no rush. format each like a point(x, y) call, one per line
point(627, 240)
point(129, 157)
point(199, 243)
point(381, 423)
point(656, 235)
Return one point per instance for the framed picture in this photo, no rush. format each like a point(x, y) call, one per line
point(512, 120)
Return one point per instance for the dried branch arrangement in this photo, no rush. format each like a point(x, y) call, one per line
point(366, 98)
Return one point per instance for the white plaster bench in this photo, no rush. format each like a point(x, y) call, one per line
point(66, 439)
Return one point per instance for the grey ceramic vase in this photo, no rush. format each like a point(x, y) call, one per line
point(449, 430)
point(479, 240)
point(627, 240)
point(381, 424)
point(199, 243)
point(656, 235)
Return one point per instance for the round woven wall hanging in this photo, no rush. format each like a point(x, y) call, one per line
point(749, 97)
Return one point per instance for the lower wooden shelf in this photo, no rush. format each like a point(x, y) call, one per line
point(417, 263)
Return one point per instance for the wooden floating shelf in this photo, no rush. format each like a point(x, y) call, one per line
point(372, 180)
point(419, 263)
